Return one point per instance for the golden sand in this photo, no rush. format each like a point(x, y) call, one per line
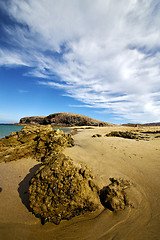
point(137, 161)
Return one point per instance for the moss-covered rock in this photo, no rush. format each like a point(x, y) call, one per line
point(59, 190)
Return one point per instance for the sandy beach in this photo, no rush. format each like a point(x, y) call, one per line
point(135, 160)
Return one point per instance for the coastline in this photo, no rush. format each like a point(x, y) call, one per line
point(107, 157)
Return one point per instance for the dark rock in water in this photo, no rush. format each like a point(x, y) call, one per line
point(37, 142)
point(59, 190)
point(114, 196)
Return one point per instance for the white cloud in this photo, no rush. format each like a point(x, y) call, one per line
point(106, 53)
point(22, 91)
point(11, 58)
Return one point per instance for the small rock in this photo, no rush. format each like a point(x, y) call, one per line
point(114, 196)
point(97, 135)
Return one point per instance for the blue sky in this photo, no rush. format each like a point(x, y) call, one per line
point(93, 57)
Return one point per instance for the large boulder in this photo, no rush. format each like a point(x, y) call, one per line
point(59, 190)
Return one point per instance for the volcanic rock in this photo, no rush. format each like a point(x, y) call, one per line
point(130, 135)
point(113, 196)
point(38, 142)
point(96, 135)
point(64, 119)
point(136, 134)
point(59, 190)
point(36, 120)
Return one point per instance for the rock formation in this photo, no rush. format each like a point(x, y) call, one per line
point(59, 190)
point(114, 196)
point(64, 119)
point(138, 134)
point(37, 142)
point(33, 120)
point(126, 134)
point(96, 135)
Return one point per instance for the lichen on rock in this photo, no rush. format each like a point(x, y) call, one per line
point(59, 190)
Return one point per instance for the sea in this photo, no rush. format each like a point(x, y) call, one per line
point(7, 129)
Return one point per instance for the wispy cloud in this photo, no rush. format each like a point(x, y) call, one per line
point(103, 53)
point(22, 91)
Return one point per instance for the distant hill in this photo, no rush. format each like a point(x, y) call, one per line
point(63, 119)
point(138, 124)
point(152, 124)
point(131, 124)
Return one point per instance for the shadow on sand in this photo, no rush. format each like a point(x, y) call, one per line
point(24, 186)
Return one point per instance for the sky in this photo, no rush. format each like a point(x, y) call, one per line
point(99, 58)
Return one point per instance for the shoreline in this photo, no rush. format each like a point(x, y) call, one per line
point(107, 157)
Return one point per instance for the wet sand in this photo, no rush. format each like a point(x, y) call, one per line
point(137, 161)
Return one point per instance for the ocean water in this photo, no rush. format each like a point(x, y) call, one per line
point(7, 129)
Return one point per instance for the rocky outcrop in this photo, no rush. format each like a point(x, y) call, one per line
point(37, 120)
point(38, 142)
point(127, 134)
point(138, 134)
point(114, 195)
point(59, 190)
point(63, 119)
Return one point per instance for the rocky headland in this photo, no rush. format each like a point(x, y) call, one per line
point(63, 119)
